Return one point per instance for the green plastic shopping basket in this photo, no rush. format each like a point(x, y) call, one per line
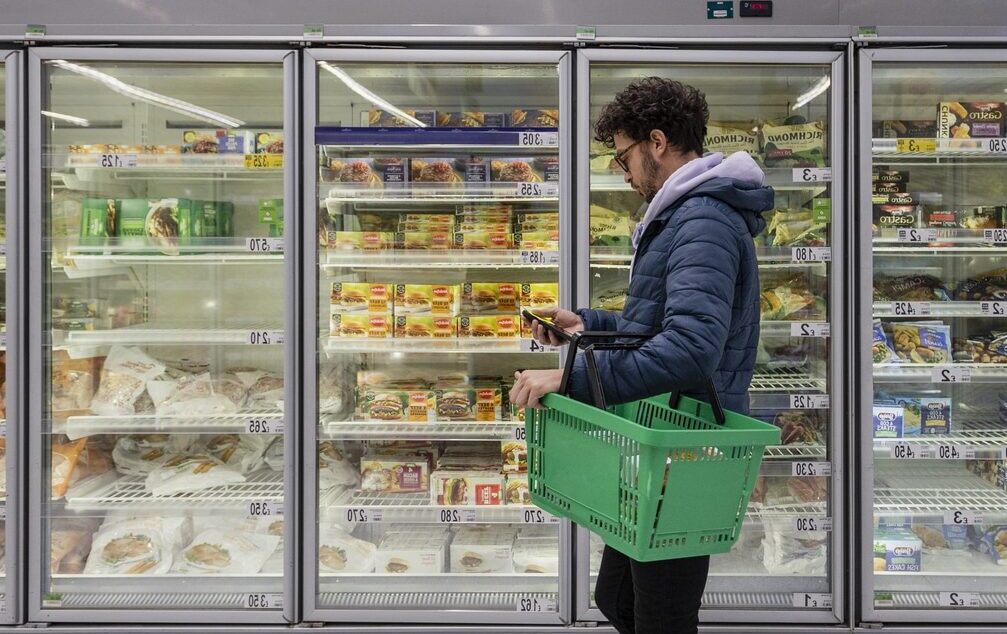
point(661, 478)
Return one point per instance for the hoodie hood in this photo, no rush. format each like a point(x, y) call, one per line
point(736, 180)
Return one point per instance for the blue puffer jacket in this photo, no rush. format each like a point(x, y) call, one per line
point(695, 284)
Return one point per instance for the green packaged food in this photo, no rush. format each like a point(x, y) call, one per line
point(98, 217)
point(270, 210)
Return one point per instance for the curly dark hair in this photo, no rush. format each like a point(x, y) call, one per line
point(656, 103)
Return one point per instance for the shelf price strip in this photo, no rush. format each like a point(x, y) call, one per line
point(263, 601)
point(812, 174)
point(538, 139)
point(812, 600)
point(962, 518)
point(995, 309)
point(530, 345)
point(911, 309)
point(263, 161)
point(264, 245)
point(536, 604)
point(809, 329)
point(995, 146)
point(917, 236)
point(811, 254)
point(520, 434)
point(916, 451)
point(810, 469)
point(116, 161)
point(364, 515)
point(538, 516)
point(264, 337)
point(951, 374)
point(912, 146)
point(996, 236)
point(806, 524)
point(958, 600)
point(265, 509)
point(809, 401)
point(457, 516)
point(541, 258)
point(264, 426)
point(524, 190)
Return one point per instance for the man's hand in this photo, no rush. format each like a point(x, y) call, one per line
point(565, 319)
point(531, 385)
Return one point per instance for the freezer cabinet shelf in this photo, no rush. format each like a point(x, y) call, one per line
point(438, 430)
point(784, 380)
point(937, 151)
point(102, 252)
point(925, 600)
point(490, 345)
point(441, 259)
point(146, 335)
point(238, 422)
point(943, 569)
point(921, 309)
point(781, 179)
point(768, 257)
point(131, 165)
point(520, 140)
point(496, 193)
point(979, 440)
point(947, 243)
point(927, 373)
point(128, 493)
point(367, 507)
point(384, 599)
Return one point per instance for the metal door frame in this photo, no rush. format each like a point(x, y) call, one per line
point(865, 371)
point(837, 378)
point(309, 244)
point(12, 612)
point(36, 508)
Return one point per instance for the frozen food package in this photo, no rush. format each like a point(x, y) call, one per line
point(784, 552)
point(370, 172)
point(991, 285)
point(908, 128)
point(489, 296)
point(334, 466)
point(398, 472)
point(369, 297)
point(515, 455)
point(384, 119)
point(991, 539)
point(3, 467)
point(466, 488)
point(728, 139)
point(269, 142)
point(218, 551)
point(444, 171)
point(897, 550)
point(924, 415)
point(517, 489)
point(970, 119)
point(136, 546)
point(534, 118)
point(882, 350)
point(195, 395)
point(524, 169)
point(64, 461)
point(471, 119)
point(95, 460)
point(418, 551)
point(331, 389)
point(369, 325)
point(244, 452)
point(73, 382)
point(943, 539)
point(69, 544)
point(536, 555)
point(265, 389)
point(922, 343)
point(273, 457)
point(432, 299)
point(482, 551)
point(188, 474)
point(916, 287)
point(338, 551)
point(123, 381)
point(889, 421)
point(164, 222)
point(797, 144)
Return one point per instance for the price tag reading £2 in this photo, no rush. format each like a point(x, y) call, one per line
point(917, 235)
point(815, 329)
point(996, 309)
point(951, 374)
point(958, 600)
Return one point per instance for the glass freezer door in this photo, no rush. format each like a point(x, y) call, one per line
point(440, 188)
point(933, 306)
point(160, 288)
point(784, 109)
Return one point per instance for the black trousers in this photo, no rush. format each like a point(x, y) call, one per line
point(655, 597)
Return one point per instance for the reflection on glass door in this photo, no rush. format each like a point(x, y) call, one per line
point(5, 466)
point(162, 299)
point(438, 194)
point(783, 115)
point(937, 424)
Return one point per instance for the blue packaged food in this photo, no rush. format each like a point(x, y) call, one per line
point(888, 421)
point(881, 348)
point(922, 343)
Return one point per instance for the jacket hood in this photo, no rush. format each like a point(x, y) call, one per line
point(736, 180)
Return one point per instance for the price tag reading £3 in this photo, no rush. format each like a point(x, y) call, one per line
point(268, 508)
point(812, 174)
point(962, 518)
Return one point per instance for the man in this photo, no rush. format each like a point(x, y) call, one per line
point(694, 286)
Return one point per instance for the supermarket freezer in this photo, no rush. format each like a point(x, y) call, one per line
point(440, 185)
point(161, 297)
point(11, 552)
point(931, 409)
point(786, 109)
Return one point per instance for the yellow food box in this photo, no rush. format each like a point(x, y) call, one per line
point(484, 240)
point(425, 326)
point(498, 326)
point(424, 240)
point(362, 297)
point(362, 240)
point(433, 299)
point(365, 325)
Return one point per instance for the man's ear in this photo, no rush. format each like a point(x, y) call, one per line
point(660, 141)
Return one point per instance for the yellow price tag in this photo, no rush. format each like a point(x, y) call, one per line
point(916, 145)
point(263, 161)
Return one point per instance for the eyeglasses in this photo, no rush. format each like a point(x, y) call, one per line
point(620, 157)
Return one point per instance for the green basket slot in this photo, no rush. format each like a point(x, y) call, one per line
point(652, 481)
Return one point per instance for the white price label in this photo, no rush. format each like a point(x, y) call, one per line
point(536, 604)
point(962, 518)
point(951, 374)
point(910, 309)
point(958, 600)
point(998, 236)
point(812, 174)
point(530, 345)
point(520, 434)
point(538, 139)
point(265, 509)
point(538, 516)
point(949, 452)
point(809, 401)
point(264, 426)
point(363, 515)
point(541, 258)
point(457, 516)
point(917, 235)
point(116, 161)
point(995, 146)
point(3, 165)
point(810, 469)
point(811, 254)
point(905, 451)
point(522, 190)
point(812, 600)
point(264, 245)
point(812, 524)
point(3, 512)
point(809, 329)
point(3, 430)
point(996, 309)
point(265, 337)
point(263, 601)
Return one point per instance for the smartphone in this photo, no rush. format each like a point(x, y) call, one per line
point(547, 323)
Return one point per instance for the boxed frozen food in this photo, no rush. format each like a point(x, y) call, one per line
point(489, 296)
point(897, 551)
point(517, 489)
point(384, 119)
point(896, 211)
point(524, 169)
point(536, 555)
point(925, 415)
point(888, 421)
point(338, 551)
point(499, 326)
point(610, 228)
point(362, 297)
point(412, 553)
point(478, 551)
point(425, 326)
point(437, 170)
point(537, 221)
point(981, 349)
point(369, 173)
point(432, 299)
point(137, 546)
point(424, 240)
point(269, 143)
point(545, 240)
point(381, 404)
point(395, 472)
point(908, 128)
point(467, 403)
point(915, 287)
point(922, 343)
point(524, 118)
point(270, 210)
point(879, 188)
point(514, 454)
point(471, 119)
point(165, 222)
point(98, 217)
point(942, 537)
point(218, 551)
point(123, 382)
point(539, 295)
point(362, 240)
point(427, 220)
point(190, 473)
point(217, 142)
point(484, 240)
point(728, 139)
point(790, 300)
point(991, 539)
point(450, 487)
point(794, 145)
point(970, 119)
point(367, 325)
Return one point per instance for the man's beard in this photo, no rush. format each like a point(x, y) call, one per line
point(650, 184)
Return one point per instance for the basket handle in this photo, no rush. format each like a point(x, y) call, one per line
point(711, 390)
point(589, 341)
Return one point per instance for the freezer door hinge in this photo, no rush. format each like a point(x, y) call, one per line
point(872, 626)
point(585, 624)
point(309, 624)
